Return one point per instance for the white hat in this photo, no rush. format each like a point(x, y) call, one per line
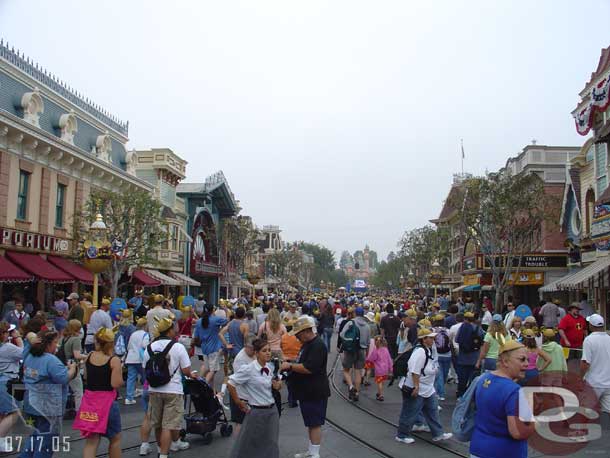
point(596, 320)
point(11, 327)
point(370, 316)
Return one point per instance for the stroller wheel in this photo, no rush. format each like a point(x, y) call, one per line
point(226, 430)
point(182, 434)
point(207, 438)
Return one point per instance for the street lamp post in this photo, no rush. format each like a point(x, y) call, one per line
point(253, 278)
point(436, 276)
point(97, 252)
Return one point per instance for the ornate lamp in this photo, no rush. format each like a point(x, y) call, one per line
point(253, 278)
point(436, 276)
point(411, 280)
point(97, 252)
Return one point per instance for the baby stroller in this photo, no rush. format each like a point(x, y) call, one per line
point(208, 412)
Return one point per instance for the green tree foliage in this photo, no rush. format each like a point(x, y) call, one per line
point(133, 219)
point(504, 215)
point(420, 247)
point(240, 238)
point(322, 256)
point(388, 273)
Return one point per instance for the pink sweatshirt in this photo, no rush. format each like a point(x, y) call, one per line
point(381, 359)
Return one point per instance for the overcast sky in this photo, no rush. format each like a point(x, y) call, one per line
point(339, 121)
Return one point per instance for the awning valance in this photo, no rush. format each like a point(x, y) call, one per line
point(140, 278)
point(184, 279)
point(472, 288)
point(81, 274)
point(42, 269)
point(574, 281)
point(164, 279)
point(458, 289)
point(10, 273)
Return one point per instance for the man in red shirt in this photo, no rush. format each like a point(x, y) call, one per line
point(573, 329)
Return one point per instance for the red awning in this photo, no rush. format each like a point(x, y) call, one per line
point(81, 274)
point(42, 269)
point(10, 273)
point(140, 278)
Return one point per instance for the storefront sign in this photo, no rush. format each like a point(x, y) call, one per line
point(34, 241)
point(531, 261)
point(527, 278)
point(470, 280)
point(468, 263)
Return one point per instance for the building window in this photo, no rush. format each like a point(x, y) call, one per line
point(575, 222)
point(174, 237)
point(59, 205)
point(22, 196)
point(590, 154)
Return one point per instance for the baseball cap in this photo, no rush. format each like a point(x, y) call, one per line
point(497, 317)
point(359, 311)
point(596, 320)
point(73, 296)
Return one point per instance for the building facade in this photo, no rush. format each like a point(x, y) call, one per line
point(207, 205)
point(55, 146)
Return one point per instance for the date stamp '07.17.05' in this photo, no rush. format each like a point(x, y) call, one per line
point(38, 444)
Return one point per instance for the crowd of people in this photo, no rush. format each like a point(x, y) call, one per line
point(76, 358)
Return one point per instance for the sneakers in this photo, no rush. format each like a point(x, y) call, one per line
point(379, 397)
point(138, 393)
point(179, 445)
point(405, 440)
point(420, 429)
point(130, 402)
point(350, 394)
point(145, 449)
point(5, 445)
point(442, 437)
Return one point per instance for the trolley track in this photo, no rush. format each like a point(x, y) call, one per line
point(375, 415)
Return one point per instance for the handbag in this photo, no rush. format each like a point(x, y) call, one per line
point(94, 412)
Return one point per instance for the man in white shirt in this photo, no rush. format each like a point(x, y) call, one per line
point(510, 314)
point(166, 403)
point(595, 361)
point(157, 312)
point(99, 319)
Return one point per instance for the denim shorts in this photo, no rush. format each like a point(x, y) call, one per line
point(313, 412)
point(7, 402)
point(114, 421)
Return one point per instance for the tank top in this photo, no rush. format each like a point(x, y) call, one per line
point(98, 377)
point(532, 357)
point(236, 337)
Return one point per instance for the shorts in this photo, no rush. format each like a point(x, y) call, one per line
point(7, 402)
point(354, 359)
point(166, 410)
point(381, 378)
point(368, 365)
point(237, 415)
point(114, 421)
point(313, 412)
point(212, 361)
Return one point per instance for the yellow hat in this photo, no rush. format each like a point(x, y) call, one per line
point(106, 301)
point(425, 332)
point(105, 335)
point(438, 317)
point(548, 332)
point(425, 323)
point(163, 324)
point(411, 313)
point(528, 333)
point(142, 322)
point(468, 315)
point(126, 313)
point(509, 345)
point(158, 298)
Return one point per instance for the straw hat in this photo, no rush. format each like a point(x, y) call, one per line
point(106, 301)
point(301, 324)
point(142, 322)
point(105, 335)
point(163, 324)
point(528, 333)
point(509, 345)
point(425, 332)
point(411, 313)
point(468, 315)
point(425, 323)
point(158, 298)
point(548, 332)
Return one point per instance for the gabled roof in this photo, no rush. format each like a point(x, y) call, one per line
point(448, 210)
point(573, 184)
point(602, 66)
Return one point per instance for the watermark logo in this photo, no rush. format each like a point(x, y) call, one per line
point(565, 411)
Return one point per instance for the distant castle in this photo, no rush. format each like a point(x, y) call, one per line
point(362, 265)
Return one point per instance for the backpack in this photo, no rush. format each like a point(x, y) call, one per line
point(350, 342)
point(442, 342)
point(119, 345)
point(469, 339)
point(463, 417)
point(61, 351)
point(157, 367)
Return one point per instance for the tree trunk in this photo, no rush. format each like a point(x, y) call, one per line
point(499, 302)
point(115, 275)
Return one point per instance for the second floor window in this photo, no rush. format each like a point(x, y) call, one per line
point(174, 237)
point(59, 205)
point(22, 196)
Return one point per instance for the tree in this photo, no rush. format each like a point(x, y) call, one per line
point(420, 247)
point(504, 215)
point(135, 227)
point(388, 273)
point(391, 256)
point(286, 263)
point(322, 256)
point(240, 240)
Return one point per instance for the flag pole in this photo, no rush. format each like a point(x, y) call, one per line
point(462, 145)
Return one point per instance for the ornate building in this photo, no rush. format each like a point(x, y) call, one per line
point(55, 146)
point(361, 266)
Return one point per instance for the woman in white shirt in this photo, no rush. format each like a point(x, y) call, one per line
point(487, 317)
point(138, 341)
point(259, 435)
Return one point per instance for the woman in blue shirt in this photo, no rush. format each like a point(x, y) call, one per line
point(498, 432)
point(46, 390)
point(208, 343)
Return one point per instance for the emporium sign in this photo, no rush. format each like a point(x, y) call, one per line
point(34, 241)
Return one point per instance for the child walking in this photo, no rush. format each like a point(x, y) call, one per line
point(382, 362)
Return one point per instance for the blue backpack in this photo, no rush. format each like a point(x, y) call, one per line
point(462, 419)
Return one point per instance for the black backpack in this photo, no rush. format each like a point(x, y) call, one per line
point(157, 366)
point(61, 351)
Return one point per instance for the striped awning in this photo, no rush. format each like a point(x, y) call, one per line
point(161, 277)
point(184, 279)
point(575, 281)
